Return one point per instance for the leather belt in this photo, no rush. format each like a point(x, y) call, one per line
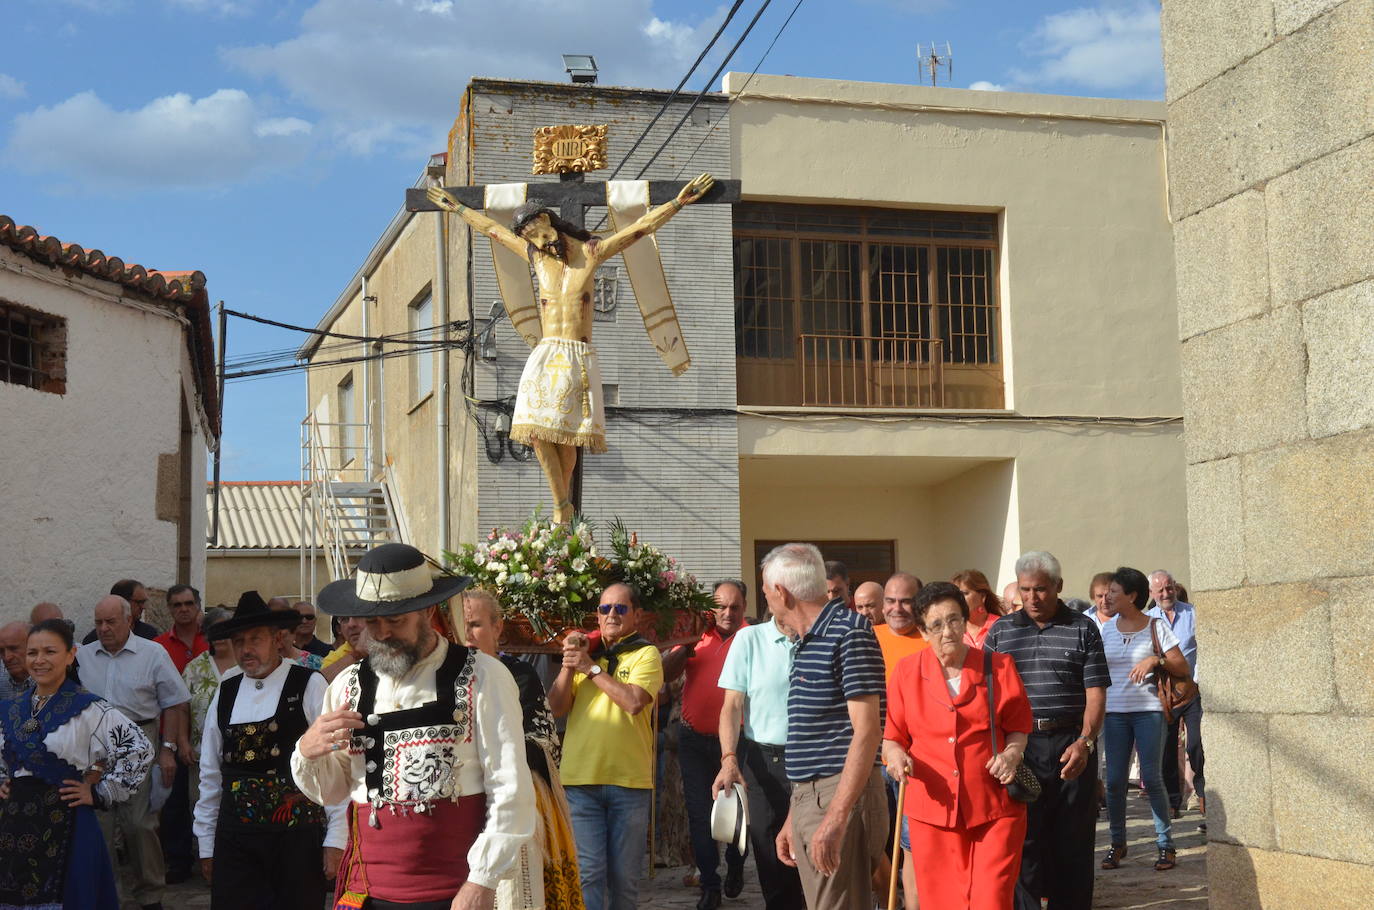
point(1056, 724)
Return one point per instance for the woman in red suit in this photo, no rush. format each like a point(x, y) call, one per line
point(966, 833)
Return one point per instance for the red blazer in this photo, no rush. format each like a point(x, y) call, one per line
point(948, 740)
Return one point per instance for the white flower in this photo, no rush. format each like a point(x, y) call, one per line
point(501, 578)
point(494, 566)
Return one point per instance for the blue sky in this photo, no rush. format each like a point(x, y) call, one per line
point(268, 142)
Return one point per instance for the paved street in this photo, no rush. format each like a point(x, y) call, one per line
point(1135, 886)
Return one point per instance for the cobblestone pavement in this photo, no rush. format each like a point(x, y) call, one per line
point(1134, 886)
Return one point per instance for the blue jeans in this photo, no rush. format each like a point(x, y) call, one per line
point(699, 757)
point(611, 827)
point(1142, 731)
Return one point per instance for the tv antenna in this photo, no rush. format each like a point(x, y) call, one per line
point(934, 57)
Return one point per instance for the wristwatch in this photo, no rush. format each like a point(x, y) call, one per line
point(596, 670)
point(172, 747)
point(1089, 742)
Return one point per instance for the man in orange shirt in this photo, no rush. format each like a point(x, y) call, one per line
point(900, 638)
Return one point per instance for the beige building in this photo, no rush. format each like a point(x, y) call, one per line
point(108, 404)
point(937, 331)
point(1271, 154)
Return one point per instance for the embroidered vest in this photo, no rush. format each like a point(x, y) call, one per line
point(255, 761)
point(411, 756)
point(25, 732)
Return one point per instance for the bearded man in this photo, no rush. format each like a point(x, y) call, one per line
point(262, 843)
point(426, 740)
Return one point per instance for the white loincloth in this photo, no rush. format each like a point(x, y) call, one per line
point(560, 397)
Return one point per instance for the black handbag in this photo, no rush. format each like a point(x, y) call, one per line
point(1025, 786)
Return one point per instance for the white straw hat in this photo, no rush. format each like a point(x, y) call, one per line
point(730, 819)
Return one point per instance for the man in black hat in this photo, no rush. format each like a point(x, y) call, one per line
point(427, 740)
point(260, 837)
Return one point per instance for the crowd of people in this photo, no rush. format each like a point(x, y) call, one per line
point(938, 733)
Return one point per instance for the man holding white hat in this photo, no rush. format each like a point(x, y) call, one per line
point(426, 738)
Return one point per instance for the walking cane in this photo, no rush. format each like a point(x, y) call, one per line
point(896, 845)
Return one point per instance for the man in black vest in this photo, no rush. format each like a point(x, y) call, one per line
point(260, 837)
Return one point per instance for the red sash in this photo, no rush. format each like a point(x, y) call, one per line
point(416, 857)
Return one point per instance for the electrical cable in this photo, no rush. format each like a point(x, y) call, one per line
point(673, 95)
point(321, 332)
point(706, 89)
point(739, 93)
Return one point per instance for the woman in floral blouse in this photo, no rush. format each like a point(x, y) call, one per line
point(63, 754)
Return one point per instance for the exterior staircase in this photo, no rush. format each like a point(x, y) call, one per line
point(345, 512)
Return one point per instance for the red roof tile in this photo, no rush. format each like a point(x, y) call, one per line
point(185, 288)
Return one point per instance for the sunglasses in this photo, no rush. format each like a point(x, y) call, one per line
point(307, 617)
point(620, 609)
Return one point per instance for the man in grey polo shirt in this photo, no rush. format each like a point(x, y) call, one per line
point(137, 677)
point(755, 681)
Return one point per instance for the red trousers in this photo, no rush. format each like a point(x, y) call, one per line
point(968, 868)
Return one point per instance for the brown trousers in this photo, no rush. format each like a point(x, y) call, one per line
point(851, 887)
point(137, 827)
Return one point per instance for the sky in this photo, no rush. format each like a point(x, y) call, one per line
point(267, 143)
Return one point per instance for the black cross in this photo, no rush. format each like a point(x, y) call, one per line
point(572, 196)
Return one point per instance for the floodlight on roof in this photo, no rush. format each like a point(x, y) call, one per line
point(580, 67)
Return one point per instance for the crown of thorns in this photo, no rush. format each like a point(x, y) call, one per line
point(532, 210)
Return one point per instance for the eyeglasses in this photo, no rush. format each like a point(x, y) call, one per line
point(620, 609)
point(954, 622)
point(307, 617)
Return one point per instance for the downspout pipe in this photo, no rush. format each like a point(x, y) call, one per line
point(441, 415)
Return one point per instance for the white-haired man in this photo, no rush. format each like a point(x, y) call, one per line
point(137, 676)
point(426, 738)
point(1059, 655)
point(837, 826)
point(1183, 619)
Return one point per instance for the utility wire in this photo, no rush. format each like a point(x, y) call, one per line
point(673, 97)
point(702, 94)
point(738, 94)
point(321, 332)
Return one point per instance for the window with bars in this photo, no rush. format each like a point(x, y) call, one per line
point(33, 348)
point(882, 306)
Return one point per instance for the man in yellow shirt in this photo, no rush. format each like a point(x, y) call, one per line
point(608, 750)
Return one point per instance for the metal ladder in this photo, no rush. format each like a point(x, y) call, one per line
point(344, 512)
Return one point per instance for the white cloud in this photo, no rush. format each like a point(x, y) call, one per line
point(393, 71)
point(1111, 47)
point(982, 85)
point(11, 87)
point(173, 141)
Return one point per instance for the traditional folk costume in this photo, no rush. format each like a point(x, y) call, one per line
point(53, 855)
point(439, 786)
point(265, 836)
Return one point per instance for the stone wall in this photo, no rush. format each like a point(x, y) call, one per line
point(1271, 153)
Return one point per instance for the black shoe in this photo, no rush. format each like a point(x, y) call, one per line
point(157, 906)
point(709, 900)
point(178, 874)
point(734, 881)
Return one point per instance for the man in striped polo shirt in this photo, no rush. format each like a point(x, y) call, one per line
point(1058, 652)
point(835, 830)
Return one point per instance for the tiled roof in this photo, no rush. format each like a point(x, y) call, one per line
point(256, 515)
point(184, 288)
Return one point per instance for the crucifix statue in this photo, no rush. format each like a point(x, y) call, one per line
point(559, 406)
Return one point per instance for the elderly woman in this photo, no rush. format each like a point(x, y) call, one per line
point(1135, 718)
point(984, 607)
point(481, 628)
point(966, 832)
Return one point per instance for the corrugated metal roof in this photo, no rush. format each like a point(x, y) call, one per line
point(257, 515)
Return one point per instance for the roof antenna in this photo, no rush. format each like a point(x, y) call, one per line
point(932, 57)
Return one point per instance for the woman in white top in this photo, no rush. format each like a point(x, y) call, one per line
point(1135, 719)
point(63, 753)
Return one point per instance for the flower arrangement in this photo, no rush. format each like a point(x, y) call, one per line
point(552, 574)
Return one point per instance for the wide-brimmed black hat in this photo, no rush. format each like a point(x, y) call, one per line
point(251, 612)
point(392, 579)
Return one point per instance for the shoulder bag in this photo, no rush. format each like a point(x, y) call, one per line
point(1025, 786)
point(1175, 692)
